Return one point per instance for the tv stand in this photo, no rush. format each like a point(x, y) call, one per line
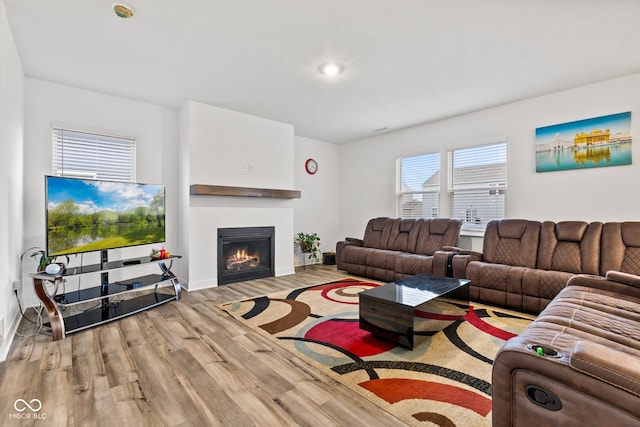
point(150, 291)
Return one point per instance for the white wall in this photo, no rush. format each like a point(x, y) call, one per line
point(155, 129)
point(368, 174)
point(11, 185)
point(317, 211)
point(223, 147)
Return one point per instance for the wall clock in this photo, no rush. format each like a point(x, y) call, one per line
point(311, 166)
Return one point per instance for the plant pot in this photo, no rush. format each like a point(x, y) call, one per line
point(328, 258)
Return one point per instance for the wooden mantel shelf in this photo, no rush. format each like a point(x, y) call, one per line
point(222, 190)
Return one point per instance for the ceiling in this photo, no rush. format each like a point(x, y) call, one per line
point(406, 62)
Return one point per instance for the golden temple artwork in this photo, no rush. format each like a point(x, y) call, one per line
point(589, 143)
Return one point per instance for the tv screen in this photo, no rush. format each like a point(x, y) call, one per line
point(85, 215)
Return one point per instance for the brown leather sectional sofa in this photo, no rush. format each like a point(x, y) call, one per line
point(578, 363)
point(394, 248)
point(525, 264)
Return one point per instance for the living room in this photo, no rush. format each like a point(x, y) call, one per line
point(200, 143)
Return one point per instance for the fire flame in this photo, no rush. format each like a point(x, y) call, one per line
point(242, 260)
point(242, 255)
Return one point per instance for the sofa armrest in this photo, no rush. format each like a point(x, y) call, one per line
point(349, 241)
point(615, 367)
point(354, 240)
point(460, 261)
point(615, 281)
point(626, 278)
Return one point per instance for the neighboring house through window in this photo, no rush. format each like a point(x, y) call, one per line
point(478, 184)
point(418, 194)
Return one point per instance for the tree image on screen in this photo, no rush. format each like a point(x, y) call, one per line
point(91, 215)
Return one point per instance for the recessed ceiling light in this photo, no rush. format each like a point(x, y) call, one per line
point(123, 11)
point(331, 69)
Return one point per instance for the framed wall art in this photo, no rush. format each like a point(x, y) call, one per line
point(590, 143)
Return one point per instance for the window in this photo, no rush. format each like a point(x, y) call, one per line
point(418, 193)
point(478, 184)
point(475, 180)
point(90, 155)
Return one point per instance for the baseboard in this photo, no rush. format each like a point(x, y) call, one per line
point(285, 271)
point(5, 346)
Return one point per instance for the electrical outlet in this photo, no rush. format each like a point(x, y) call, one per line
point(16, 285)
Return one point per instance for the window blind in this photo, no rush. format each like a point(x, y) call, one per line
point(418, 193)
point(90, 155)
point(478, 184)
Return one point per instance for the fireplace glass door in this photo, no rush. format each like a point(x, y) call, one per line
point(245, 253)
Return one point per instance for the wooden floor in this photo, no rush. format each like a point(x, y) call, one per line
point(181, 364)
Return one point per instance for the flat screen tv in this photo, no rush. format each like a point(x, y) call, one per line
point(86, 215)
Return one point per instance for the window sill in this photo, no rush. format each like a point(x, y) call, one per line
point(472, 233)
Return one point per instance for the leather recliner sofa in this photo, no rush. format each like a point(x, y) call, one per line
point(578, 363)
point(525, 264)
point(394, 248)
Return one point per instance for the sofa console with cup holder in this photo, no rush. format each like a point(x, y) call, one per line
point(578, 363)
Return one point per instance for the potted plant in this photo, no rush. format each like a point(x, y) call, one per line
point(308, 243)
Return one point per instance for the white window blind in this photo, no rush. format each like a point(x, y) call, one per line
point(90, 155)
point(418, 190)
point(478, 184)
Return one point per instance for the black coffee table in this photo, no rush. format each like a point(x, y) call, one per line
point(408, 310)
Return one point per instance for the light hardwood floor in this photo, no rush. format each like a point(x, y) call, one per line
point(184, 363)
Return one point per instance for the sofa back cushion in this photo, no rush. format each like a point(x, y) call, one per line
point(376, 234)
point(435, 233)
point(512, 242)
point(404, 234)
point(570, 246)
point(620, 247)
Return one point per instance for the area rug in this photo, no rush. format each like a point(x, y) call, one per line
point(444, 381)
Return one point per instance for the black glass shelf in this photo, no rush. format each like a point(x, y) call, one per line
point(116, 288)
point(114, 311)
point(107, 266)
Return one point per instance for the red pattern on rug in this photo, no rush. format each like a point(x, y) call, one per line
point(349, 336)
point(396, 389)
point(472, 318)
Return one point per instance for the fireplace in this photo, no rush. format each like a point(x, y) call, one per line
point(245, 253)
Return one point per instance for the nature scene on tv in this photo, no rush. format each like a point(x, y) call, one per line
point(87, 215)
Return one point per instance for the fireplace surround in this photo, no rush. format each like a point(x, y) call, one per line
point(245, 253)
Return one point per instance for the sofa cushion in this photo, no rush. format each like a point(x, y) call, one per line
point(376, 234)
point(597, 315)
point(512, 242)
point(496, 283)
point(404, 234)
point(381, 258)
point(539, 287)
point(436, 233)
point(412, 264)
point(620, 247)
point(570, 246)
